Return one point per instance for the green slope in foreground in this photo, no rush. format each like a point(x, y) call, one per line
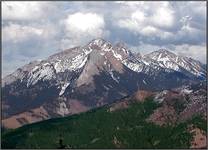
point(100, 128)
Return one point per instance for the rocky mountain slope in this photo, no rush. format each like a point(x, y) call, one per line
point(82, 78)
point(148, 116)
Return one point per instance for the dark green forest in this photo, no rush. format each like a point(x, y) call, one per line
point(99, 128)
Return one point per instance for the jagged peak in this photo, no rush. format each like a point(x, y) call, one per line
point(99, 44)
point(165, 51)
point(161, 53)
point(98, 41)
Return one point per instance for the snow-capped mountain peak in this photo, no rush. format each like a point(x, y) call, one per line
point(74, 59)
point(88, 76)
point(161, 54)
point(99, 44)
point(170, 60)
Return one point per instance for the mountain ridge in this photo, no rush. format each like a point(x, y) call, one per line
point(102, 42)
point(90, 76)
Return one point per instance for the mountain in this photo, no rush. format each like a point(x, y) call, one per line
point(164, 59)
point(142, 120)
point(85, 77)
point(170, 60)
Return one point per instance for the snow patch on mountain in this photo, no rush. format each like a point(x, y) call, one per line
point(125, 51)
point(105, 62)
point(186, 91)
point(63, 88)
point(163, 59)
point(44, 72)
point(144, 81)
point(71, 64)
point(116, 55)
point(137, 67)
point(102, 53)
point(87, 51)
point(171, 65)
point(146, 63)
point(113, 77)
point(106, 88)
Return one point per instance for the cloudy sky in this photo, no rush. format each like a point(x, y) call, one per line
point(35, 30)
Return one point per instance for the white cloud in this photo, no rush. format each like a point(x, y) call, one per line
point(131, 3)
point(31, 27)
point(17, 33)
point(149, 30)
point(81, 27)
point(197, 52)
point(21, 33)
point(163, 17)
point(14, 10)
point(135, 23)
point(138, 16)
point(144, 48)
point(89, 23)
point(147, 19)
